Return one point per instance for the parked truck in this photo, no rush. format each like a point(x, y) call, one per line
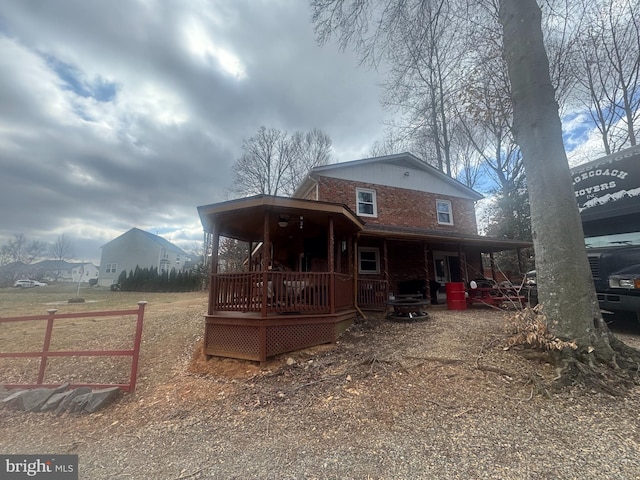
point(608, 194)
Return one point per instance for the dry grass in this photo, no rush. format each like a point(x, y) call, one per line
point(434, 399)
point(92, 333)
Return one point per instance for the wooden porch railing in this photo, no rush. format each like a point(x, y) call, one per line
point(372, 294)
point(279, 292)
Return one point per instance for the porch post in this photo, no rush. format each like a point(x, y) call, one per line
point(332, 273)
point(385, 256)
point(266, 261)
point(213, 269)
point(521, 270)
point(493, 266)
point(354, 261)
point(427, 282)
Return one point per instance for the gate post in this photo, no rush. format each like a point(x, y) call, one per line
point(136, 347)
point(45, 347)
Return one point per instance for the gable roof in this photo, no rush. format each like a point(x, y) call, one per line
point(401, 160)
point(163, 242)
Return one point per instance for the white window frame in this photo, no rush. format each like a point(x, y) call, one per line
point(374, 250)
point(374, 202)
point(111, 268)
point(450, 212)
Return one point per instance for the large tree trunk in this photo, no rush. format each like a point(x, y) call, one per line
point(565, 285)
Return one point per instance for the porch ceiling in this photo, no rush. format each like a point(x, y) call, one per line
point(486, 244)
point(244, 218)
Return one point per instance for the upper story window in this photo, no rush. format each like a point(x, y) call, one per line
point(444, 211)
point(368, 260)
point(111, 268)
point(366, 202)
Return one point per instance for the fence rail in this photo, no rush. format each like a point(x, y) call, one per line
point(306, 292)
point(372, 294)
point(45, 353)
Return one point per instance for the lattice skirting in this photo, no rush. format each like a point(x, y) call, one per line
point(259, 338)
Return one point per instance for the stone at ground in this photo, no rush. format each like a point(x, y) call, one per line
point(12, 397)
point(75, 400)
point(32, 400)
point(55, 400)
point(101, 398)
point(62, 407)
point(78, 403)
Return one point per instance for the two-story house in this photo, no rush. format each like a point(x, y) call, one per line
point(353, 233)
point(420, 224)
point(136, 247)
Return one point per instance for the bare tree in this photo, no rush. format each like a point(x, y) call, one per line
point(232, 255)
point(607, 70)
point(21, 250)
point(62, 248)
point(564, 276)
point(310, 149)
point(273, 163)
point(262, 167)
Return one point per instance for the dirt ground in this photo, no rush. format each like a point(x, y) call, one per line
point(440, 398)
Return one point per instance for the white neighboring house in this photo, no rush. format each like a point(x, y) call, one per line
point(62, 271)
point(84, 272)
point(136, 247)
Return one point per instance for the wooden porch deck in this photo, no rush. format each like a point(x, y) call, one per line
point(256, 315)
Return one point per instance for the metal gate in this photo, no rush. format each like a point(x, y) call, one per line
point(46, 353)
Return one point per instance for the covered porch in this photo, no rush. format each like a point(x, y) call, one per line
point(403, 261)
point(297, 288)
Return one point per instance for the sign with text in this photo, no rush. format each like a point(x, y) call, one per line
point(39, 467)
point(609, 186)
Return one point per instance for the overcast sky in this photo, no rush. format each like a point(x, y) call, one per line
point(131, 113)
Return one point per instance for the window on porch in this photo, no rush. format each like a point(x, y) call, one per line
point(368, 260)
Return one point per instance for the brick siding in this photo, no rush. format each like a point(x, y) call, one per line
point(401, 207)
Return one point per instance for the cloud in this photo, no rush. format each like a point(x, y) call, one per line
point(125, 114)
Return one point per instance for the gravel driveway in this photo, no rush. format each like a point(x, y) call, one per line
point(438, 399)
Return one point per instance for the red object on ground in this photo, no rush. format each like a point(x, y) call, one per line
point(456, 296)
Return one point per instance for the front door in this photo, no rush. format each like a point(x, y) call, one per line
point(446, 267)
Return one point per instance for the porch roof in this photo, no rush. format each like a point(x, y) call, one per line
point(244, 218)
point(487, 244)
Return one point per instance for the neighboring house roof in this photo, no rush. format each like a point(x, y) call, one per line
point(41, 267)
point(163, 242)
point(55, 265)
point(401, 160)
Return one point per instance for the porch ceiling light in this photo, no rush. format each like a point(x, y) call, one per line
point(283, 221)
